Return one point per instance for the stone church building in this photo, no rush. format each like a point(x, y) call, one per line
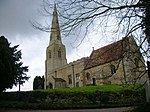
point(117, 63)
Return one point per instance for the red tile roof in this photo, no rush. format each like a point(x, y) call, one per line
point(106, 54)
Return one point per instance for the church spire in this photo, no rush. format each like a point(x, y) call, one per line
point(55, 29)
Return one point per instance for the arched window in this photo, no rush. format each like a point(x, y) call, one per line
point(88, 76)
point(49, 54)
point(77, 77)
point(69, 79)
point(113, 69)
point(59, 54)
point(50, 86)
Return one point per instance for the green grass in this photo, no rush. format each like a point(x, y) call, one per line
point(113, 88)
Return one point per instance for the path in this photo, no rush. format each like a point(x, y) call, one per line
point(122, 109)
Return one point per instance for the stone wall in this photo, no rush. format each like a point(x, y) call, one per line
point(73, 69)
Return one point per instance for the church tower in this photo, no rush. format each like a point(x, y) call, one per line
point(56, 51)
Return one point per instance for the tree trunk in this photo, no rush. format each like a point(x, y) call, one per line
point(148, 84)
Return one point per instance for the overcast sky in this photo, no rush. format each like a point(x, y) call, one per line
point(15, 26)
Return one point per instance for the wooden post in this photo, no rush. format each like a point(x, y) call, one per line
point(19, 83)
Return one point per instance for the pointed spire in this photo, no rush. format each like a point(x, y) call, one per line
point(55, 2)
point(55, 9)
point(55, 30)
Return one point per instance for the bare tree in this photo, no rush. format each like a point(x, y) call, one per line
point(121, 18)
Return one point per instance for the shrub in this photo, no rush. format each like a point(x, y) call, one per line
point(71, 99)
point(104, 97)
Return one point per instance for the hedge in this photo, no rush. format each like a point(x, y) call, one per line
point(70, 100)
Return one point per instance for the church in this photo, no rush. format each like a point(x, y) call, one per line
point(118, 63)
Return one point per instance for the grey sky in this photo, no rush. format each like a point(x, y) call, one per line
point(15, 26)
point(15, 16)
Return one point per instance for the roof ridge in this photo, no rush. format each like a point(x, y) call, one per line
point(110, 44)
point(106, 54)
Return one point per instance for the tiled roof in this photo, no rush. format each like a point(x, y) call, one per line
point(106, 54)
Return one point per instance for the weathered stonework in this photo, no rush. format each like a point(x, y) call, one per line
point(117, 63)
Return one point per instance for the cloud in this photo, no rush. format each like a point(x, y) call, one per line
point(15, 26)
point(15, 16)
point(33, 55)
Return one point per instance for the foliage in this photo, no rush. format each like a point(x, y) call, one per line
point(11, 68)
point(38, 83)
point(21, 70)
point(7, 65)
point(40, 99)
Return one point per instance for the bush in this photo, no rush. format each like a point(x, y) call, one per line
point(104, 97)
point(77, 99)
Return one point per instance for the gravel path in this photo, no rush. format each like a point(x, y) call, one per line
point(122, 109)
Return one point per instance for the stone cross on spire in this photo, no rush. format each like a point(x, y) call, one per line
point(55, 29)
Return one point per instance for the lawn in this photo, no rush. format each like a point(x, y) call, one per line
point(105, 88)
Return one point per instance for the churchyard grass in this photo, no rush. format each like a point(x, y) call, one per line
point(113, 88)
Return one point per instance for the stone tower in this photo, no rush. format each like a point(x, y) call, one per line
point(56, 51)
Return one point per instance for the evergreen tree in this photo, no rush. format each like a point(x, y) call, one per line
point(12, 70)
point(21, 70)
point(38, 83)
